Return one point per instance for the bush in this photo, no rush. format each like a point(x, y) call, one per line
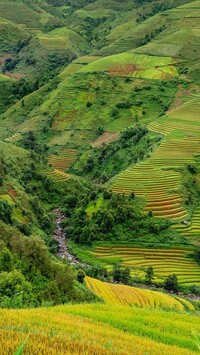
point(171, 283)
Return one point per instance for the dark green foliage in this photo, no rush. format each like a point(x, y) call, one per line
point(121, 275)
point(197, 254)
point(29, 276)
point(6, 260)
point(15, 291)
point(125, 276)
point(195, 289)
point(134, 145)
point(5, 212)
point(80, 276)
point(117, 274)
point(119, 217)
point(30, 142)
point(171, 283)
point(149, 276)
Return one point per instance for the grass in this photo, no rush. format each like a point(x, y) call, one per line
point(63, 38)
point(164, 262)
point(20, 13)
point(10, 34)
point(133, 296)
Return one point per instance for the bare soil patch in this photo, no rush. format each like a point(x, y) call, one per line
point(16, 76)
point(105, 138)
point(4, 57)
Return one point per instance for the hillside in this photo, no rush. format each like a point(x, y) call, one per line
point(131, 296)
point(99, 176)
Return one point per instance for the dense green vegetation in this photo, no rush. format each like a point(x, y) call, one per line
point(108, 217)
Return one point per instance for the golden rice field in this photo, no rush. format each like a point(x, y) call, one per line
point(163, 261)
point(156, 179)
point(14, 138)
point(133, 296)
point(98, 329)
point(58, 175)
point(64, 160)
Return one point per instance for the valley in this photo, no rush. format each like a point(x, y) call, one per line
point(99, 176)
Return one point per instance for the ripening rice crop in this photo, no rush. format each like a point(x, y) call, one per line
point(63, 161)
point(156, 178)
point(191, 230)
point(129, 296)
point(98, 329)
point(58, 175)
point(164, 262)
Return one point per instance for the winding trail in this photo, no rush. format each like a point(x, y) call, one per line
point(59, 235)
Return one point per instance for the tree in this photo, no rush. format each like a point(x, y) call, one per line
point(197, 254)
point(171, 283)
point(117, 274)
point(5, 212)
point(125, 276)
point(29, 141)
point(149, 276)
point(13, 283)
point(80, 276)
point(6, 262)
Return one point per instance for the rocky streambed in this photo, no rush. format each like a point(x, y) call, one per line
point(60, 236)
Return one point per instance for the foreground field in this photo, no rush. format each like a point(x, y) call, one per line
point(163, 261)
point(130, 296)
point(98, 329)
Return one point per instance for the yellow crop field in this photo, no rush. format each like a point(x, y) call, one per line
point(164, 261)
point(129, 296)
point(97, 329)
point(156, 178)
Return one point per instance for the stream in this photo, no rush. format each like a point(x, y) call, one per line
point(60, 236)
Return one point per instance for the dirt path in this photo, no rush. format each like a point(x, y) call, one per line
point(59, 235)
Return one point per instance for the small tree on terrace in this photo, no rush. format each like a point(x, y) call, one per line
point(171, 283)
point(117, 274)
point(149, 276)
point(125, 276)
point(197, 254)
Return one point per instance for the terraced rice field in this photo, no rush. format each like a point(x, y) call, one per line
point(193, 229)
point(133, 296)
point(156, 179)
point(163, 261)
point(14, 138)
point(58, 175)
point(98, 329)
point(158, 187)
point(64, 160)
point(135, 65)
